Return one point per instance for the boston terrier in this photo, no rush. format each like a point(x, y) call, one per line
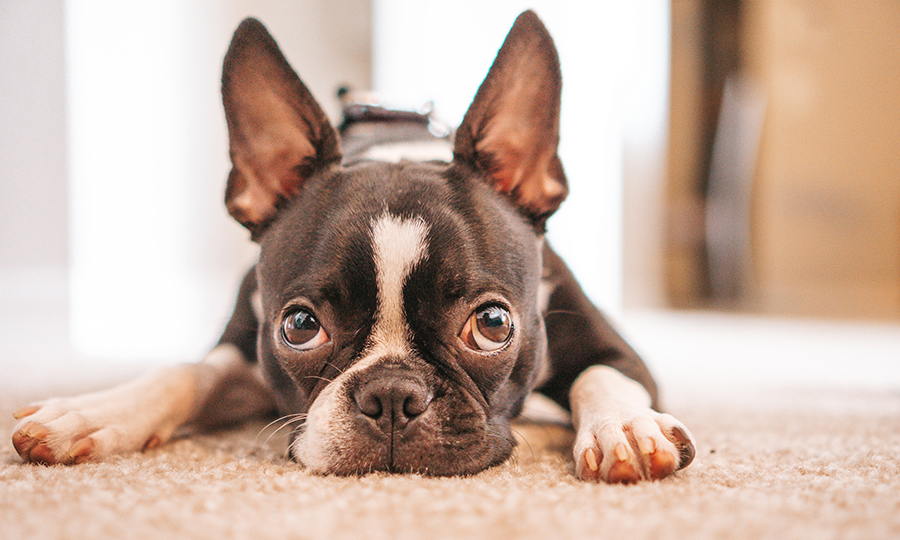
point(401, 309)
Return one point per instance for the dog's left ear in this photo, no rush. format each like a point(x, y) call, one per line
point(278, 134)
point(511, 131)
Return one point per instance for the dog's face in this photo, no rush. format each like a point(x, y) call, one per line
point(400, 302)
point(409, 327)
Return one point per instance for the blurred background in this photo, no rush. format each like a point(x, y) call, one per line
point(784, 166)
point(734, 167)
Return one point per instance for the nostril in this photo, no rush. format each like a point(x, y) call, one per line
point(416, 403)
point(369, 404)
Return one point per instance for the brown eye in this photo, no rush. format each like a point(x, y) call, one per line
point(488, 329)
point(301, 331)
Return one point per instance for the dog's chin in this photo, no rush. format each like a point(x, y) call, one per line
point(450, 439)
point(358, 455)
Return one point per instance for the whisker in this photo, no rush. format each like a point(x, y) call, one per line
point(339, 370)
point(286, 424)
point(279, 419)
point(326, 379)
point(273, 422)
point(528, 444)
point(286, 421)
point(514, 458)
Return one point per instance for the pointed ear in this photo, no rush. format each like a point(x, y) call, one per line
point(278, 134)
point(511, 131)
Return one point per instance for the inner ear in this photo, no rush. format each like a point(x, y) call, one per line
point(278, 133)
point(511, 131)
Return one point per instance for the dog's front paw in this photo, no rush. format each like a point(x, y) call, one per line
point(74, 430)
point(37, 442)
point(130, 417)
point(628, 448)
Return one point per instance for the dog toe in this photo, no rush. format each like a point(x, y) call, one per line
point(624, 470)
point(680, 437)
point(658, 455)
point(42, 453)
point(587, 467)
point(26, 438)
point(685, 444)
point(81, 451)
point(26, 411)
point(661, 464)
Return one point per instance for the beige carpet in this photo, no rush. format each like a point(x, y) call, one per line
point(770, 464)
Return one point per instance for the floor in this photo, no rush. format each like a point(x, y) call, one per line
point(796, 421)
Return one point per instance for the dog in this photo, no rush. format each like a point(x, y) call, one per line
point(401, 310)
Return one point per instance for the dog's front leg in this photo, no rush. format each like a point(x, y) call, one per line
point(619, 437)
point(142, 413)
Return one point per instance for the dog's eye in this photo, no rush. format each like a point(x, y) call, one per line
point(488, 329)
point(302, 331)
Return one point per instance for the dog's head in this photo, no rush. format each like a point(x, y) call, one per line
point(400, 302)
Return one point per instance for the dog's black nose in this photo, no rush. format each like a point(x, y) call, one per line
point(392, 399)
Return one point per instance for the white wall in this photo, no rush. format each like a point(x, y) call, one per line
point(155, 260)
point(613, 56)
point(33, 193)
point(644, 130)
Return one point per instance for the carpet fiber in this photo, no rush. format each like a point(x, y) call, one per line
point(770, 464)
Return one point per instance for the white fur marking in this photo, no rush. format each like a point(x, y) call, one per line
point(398, 246)
point(601, 390)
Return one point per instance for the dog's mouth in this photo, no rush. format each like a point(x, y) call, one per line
point(400, 422)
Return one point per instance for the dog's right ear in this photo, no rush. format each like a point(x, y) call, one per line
point(278, 134)
point(511, 130)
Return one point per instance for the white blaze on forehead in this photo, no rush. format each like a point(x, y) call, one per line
point(398, 246)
